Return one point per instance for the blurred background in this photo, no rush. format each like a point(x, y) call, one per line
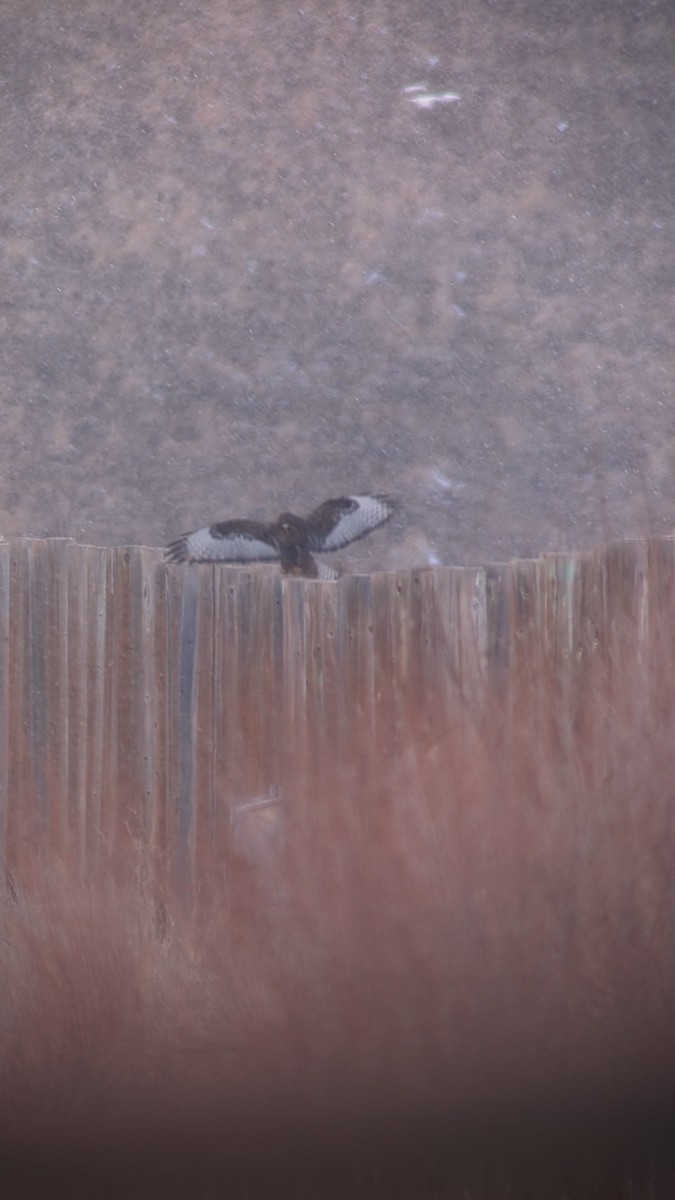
point(255, 255)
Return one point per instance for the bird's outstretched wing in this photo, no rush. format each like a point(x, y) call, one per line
point(336, 523)
point(230, 541)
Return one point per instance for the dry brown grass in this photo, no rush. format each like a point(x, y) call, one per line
point(460, 964)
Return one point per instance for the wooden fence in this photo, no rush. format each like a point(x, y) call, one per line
point(176, 708)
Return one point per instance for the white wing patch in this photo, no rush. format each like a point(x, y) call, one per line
point(203, 546)
point(368, 513)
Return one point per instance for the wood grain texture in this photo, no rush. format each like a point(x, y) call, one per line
point(182, 720)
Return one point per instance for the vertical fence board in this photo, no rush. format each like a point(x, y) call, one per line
point(249, 801)
point(39, 711)
point(325, 695)
point(154, 684)
point(182, 593)
point(50, 606)
point(201, 718)
point(388, 659)
point(87, 583)
point(5, 570)
point(123, 819)
point(296, 782)
point(660, 581)
point(471, 610)
point(446, 646)
point(498, 620)
point(20, 792)
point(228, 732)
point(356, 652)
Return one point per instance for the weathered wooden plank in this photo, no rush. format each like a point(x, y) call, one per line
point(394, 679)
point(419, 668)
point(471, 609)
point(199, 798)
point(445, 649)
point(153, 661)
point(656, 620)
point(498, 620)
point(19, 814)
point(527, 603)
point(186, 591)
point(447, 639)
point(37, 749)
point(296, 753)
point(660, 574)
point(181, 594)
point(355, 636)
point(5, 703)
point(227, 730)
point(123, 820)
point(324, 696)
point(86, 572)
point(247, 745)
point(54, 601)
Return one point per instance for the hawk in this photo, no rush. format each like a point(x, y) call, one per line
point(291, 540)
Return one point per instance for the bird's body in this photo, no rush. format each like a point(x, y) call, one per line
point(290, 539)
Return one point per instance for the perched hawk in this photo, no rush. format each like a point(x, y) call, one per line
point(291, 539)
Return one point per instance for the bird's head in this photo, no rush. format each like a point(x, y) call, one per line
point(290, 529)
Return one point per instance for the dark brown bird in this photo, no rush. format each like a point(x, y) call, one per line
point(291, 539)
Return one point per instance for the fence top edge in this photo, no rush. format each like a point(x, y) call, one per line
point(7, 541)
